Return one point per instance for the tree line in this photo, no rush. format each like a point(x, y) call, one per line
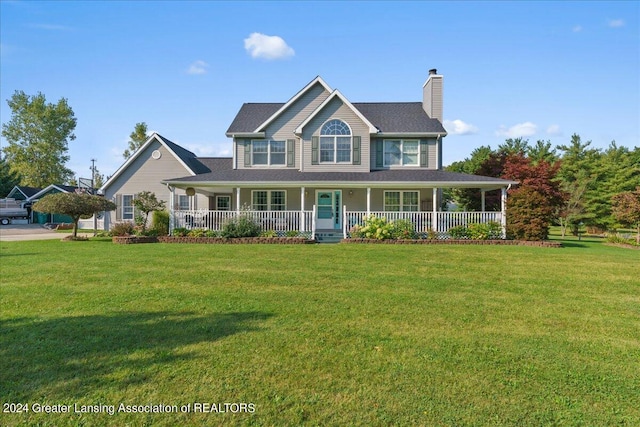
point(571, 185)
point(38, 136)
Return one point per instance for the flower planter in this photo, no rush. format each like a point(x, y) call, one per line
point(240, 240)
point(544, 243)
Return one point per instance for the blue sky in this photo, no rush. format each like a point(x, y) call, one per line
point(541, 70)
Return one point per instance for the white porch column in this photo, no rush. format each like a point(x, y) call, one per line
point(302, 209)
point(503, 208)
point(368, 200)
point(434, 203)
point(482, 199)
point(238, 199)
point(172, 202)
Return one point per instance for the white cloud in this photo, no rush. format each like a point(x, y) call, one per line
point(516, 131)
point(209, 149)
point(554, 130)
point(577, 28)
point(267, 47)
point(616, 23)
point(198, 67)
point(458, 127)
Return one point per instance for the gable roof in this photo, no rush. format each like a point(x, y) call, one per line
point(186, 158)
point(61, 188)
point(317, 80)
point(26, 191)
point(251, 115)
point(336, 94)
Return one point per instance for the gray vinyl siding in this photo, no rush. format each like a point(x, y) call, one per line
point(145, 174)
point(432, 97)
point(336, 109)
point(432, 153)
point(283, 127)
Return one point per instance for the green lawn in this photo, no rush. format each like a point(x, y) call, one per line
point(322, 334)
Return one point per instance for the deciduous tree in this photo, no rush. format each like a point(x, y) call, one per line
point(38, 135)
point(146, 202)
point(626, 209)
point(75, 205)
point(136, 139)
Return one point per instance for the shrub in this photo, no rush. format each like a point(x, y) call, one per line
point(161, 222)
point(479, 231)
point(269, 233)
point(431, 234)
point(181, 231)
point(241, 226)
point(403, 229)
point(197, 232)
point(122, 229)
point(374, 228)
point(530, 215)
point(292, 233)
point(459, 232)
point(624, 239)
point(211, 233)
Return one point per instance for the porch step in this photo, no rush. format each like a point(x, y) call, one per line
point(328, 236)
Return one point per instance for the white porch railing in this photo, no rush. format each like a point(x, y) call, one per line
point(423, 221)
point(279, 221)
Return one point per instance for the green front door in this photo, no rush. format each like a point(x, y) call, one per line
point(329, 211)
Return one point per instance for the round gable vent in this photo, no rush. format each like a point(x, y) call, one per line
point(156, 154)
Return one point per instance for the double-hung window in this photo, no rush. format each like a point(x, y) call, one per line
point(335, 142)
point(269, 200)
point(184, 202)
point(268, 152)
point(401, 201)
point(127, 206)
point(401, 152)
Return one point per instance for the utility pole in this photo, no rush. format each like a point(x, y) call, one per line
point(93, 191)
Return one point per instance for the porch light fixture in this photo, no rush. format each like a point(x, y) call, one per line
point(190, 191)
point(351, 192)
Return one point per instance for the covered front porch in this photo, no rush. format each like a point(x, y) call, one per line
point(313, 211)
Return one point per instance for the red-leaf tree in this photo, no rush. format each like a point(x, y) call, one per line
point(531, 206)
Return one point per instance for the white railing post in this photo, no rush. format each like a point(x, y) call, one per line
point(345, 222)
point(503, 209)
point(313, 223)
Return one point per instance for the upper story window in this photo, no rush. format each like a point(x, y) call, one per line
point(401, 152)
point(335, 142)
point(268, 152)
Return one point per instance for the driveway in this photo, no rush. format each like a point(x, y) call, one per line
point(15, 232)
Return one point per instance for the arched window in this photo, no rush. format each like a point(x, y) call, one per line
point(335, 142)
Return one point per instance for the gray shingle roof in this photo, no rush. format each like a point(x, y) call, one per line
point(399, 117)
point(186, 156)
point(389, 117)
point(230, 176)
point(252, 115)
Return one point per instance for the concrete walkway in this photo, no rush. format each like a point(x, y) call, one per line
point(15, 232)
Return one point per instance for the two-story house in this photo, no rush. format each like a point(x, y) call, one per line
point(318, 163)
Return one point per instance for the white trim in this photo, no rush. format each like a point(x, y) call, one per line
point(334, 214)
point(219, 196)
point(372, 128)
point(420, 135)
point(154, 136)
point(45, 190)
point(401, 193)
point(297, 96)
point(342, 184)
point(401, 165)
point(335, 144)
point(269, 164)
point(269, 191)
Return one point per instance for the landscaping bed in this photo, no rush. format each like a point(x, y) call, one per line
point(237, 240)
point(130, 240)
point(543, 243)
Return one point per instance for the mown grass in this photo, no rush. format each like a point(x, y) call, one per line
point(323, 334)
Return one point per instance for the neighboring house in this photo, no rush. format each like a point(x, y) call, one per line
point(157, 159)
point(22, 192)
point(318, 163)
point(48, 218)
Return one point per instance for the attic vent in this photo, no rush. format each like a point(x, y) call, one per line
point(156, 154)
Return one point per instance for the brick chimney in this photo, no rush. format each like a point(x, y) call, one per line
point(432, 95)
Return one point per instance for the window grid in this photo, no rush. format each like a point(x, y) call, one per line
point(269, 200)
point(335, 142)
point(401, 201)
point(401, 152)
point(268, 152)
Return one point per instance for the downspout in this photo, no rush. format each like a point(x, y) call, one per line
point(171, 209)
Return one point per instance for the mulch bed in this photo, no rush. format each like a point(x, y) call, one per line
point(543, 243)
